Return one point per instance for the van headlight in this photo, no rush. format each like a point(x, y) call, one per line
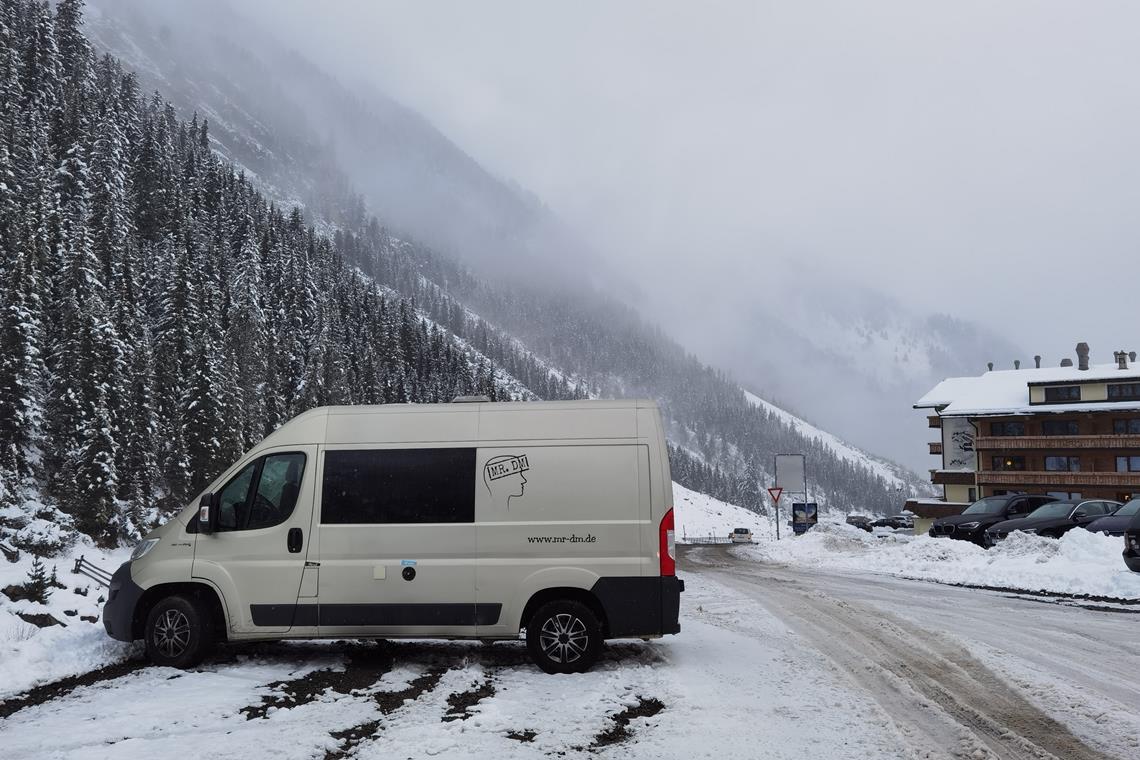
point(143, 547)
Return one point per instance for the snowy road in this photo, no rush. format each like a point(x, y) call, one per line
point(771, 663)
point(961, 668)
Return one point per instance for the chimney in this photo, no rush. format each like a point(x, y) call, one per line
point(1017, 363)
point(1121, 358)
point(1037, 361)
point(990, 366)
point(1066, 362)
point(1082, 356)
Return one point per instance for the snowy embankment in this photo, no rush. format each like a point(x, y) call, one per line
point(696, 515)
point(1080, 563)
point(75, 642)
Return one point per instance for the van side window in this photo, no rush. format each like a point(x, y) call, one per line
point(232, 500)
point(263, 494)
point(398, 486)
point(277, 489)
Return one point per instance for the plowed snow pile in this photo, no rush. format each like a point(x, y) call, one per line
point(1079, 563)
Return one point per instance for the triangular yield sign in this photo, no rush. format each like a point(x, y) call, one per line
point(775, 494)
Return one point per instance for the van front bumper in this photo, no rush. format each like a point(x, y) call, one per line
point(640, 606)
point(119, 610)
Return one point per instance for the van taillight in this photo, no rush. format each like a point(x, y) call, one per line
point(668, 545)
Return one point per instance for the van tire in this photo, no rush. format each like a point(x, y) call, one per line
point(179, 632)
point(564, 636)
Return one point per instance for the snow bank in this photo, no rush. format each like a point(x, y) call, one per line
point(1079, 563)
point(30, 655)
point(697, 515)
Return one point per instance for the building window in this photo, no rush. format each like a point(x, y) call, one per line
point(1062, 464)
point(1064, 495)
point(1004, 429)
point(1061, 393)
point(1128, 464)
point(1126, 427)
point(1124, 391)
point(1060, 427)
point(366, 487)
point(1009, 463)
point(972, 495)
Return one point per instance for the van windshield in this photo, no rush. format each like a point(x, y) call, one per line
point(990, 505)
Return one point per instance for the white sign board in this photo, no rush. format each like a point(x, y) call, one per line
point(790, 473)
point(958, 444)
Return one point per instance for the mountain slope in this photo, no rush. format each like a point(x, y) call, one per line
point(575, 331)
point(190, 315)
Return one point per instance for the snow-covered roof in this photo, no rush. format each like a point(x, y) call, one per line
point(1006, 391)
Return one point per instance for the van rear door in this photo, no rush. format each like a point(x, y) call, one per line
point(397, 541)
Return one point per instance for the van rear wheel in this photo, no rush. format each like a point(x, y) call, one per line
point(179, 632)
point(564, 636)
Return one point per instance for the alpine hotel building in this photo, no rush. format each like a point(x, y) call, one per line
point(1070, 431)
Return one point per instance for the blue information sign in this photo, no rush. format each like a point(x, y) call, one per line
point(804, 515)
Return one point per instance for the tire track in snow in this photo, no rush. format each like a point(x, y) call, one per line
point(942, 699)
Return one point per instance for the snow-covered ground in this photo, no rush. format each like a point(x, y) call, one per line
point(29, 654)
point(697, 515)
point(733, 684)
point(1079, 563)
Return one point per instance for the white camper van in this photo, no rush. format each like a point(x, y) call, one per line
point(463, 520)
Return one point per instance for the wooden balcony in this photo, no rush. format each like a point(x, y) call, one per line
point(1027, 478)
point(936, 447)
point(1056, 442)
point(952, 477)
point(934, 421)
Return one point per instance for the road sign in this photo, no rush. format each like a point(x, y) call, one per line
point(791, 474)
point(804, 515)
point(775, 494)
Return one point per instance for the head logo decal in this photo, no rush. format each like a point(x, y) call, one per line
point(503, 476)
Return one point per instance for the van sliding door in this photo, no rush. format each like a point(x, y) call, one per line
point(397, 542)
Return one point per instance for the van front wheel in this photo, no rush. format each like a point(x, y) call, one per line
point(179, 632)
point(564, 636)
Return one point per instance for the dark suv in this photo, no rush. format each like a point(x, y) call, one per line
point(1132, 545)
point(971, 524)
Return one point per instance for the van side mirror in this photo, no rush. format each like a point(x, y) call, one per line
point(207, 514)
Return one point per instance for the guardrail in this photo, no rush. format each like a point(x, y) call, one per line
point(92, 571)
point(709, 540)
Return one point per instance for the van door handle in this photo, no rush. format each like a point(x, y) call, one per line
point(295, 540)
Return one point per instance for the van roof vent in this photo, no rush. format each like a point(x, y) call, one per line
point(471, 399)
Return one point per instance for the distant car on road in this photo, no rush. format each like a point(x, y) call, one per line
point(860, 521)
point(971, 525)
point(1118, 522)
point(1054, 519)
point(741, 536)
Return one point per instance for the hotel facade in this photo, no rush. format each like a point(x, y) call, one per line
point(1071, 431)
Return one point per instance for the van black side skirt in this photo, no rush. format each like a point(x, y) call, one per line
point(281, 615)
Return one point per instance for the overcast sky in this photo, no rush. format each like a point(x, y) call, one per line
point(978, 158)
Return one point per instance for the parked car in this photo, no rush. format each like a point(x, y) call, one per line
point(1118, 522)
point(971, 525)
point(464, 520)
point(896, 522)
point(860, 521)
point(741, 536)
point(1132, 545)
point(1054, 519)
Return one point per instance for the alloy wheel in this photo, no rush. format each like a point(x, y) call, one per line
point(564, 638)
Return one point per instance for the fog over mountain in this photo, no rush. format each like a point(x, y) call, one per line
point(810, 195)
